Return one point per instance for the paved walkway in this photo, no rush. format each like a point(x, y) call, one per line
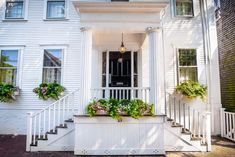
point(14, 146)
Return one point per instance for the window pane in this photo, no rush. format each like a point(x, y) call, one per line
point(188, 73)
point(9, 58)
point(55, 9)
point(52, 58)
point(14, 9)
point(187, 57)
point(8, 76)
point(51, 75)
point(184, 7)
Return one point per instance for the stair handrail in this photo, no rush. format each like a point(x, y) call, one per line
point(39, 123)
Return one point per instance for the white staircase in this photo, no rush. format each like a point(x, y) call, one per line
point(47, 127)
point(186, 129)
point(52, 129)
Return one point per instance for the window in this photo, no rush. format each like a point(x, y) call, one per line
point(14, 9)
point(187, 65)
point(52, 62)
point(183, 7)
point(8, 66)
point(55, 9)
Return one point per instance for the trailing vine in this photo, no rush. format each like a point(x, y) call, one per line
point(7, 93)
point(50, 90)
point(117, 108)
point(192, 89)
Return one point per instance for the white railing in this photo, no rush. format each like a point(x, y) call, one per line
point(46, 120)
point(121, 93)
point(195, 122)
point(227, 124)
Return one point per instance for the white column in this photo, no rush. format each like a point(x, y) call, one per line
point(86, 61)
point(156, 69)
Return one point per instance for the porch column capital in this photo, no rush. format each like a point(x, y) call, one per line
point(152, 29)
point(83, 29)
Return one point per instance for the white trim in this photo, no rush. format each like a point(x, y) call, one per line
point(25, 11)
point(63, 60)
point(19, 62)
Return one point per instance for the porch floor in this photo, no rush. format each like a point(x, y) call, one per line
point(12, 146)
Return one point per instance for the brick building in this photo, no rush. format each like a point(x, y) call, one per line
point(226, 42)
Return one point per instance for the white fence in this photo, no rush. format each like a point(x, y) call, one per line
point(227, 124)
point(193, 121)
point(122, 93)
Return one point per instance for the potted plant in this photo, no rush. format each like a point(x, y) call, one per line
point(8, 93)
point(118, 108)
point(191, 90)
point(47, 91)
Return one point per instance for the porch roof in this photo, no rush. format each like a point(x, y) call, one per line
point(120, 7)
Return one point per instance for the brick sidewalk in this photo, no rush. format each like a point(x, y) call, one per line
point(14, 146)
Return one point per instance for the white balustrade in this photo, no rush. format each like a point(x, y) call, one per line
point(227, 124)
point(46, 120)
point(191, 120)
point(121, 93)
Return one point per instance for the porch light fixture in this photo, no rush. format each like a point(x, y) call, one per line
point(122, 49)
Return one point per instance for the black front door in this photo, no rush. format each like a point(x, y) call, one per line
point(119, 69)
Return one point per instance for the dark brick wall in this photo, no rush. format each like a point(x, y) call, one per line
point(226, 43)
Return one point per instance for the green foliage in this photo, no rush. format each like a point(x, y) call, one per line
point(192, 89)
point(50, 90)
point(116, 108)
point(7, 92)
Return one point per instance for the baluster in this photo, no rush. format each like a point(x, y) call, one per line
point(132, 94)
point(116, 94)
point(63, 111)
point(73, 101)
point(44, 124)
point(39, 125)
point(34, 130)
point(54, 118)
point(179, 113)
point(199, 128)
point(145, 94)
point(119, 96)
point(227, 130)
point(189, 119)
point(58, 114)
point(174, 122)
point(49, 118)
point(184, 118)
point(203, 130)
point(194, 123)
point(170, 98)
point(230, 125)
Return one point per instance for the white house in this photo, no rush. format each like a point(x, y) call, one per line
point(85, 36)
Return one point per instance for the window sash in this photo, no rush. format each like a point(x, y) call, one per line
point(16, 11)
point(52, 73)
point(183, 7)
point(55, 9)
point(189, 70)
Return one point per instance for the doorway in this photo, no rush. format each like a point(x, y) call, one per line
point(119, 70)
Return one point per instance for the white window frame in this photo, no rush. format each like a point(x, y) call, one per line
point(178, 64)
point(25, 11)
point(63, 55)
point(45, 18)
point(173, 9)
point(19, 64)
